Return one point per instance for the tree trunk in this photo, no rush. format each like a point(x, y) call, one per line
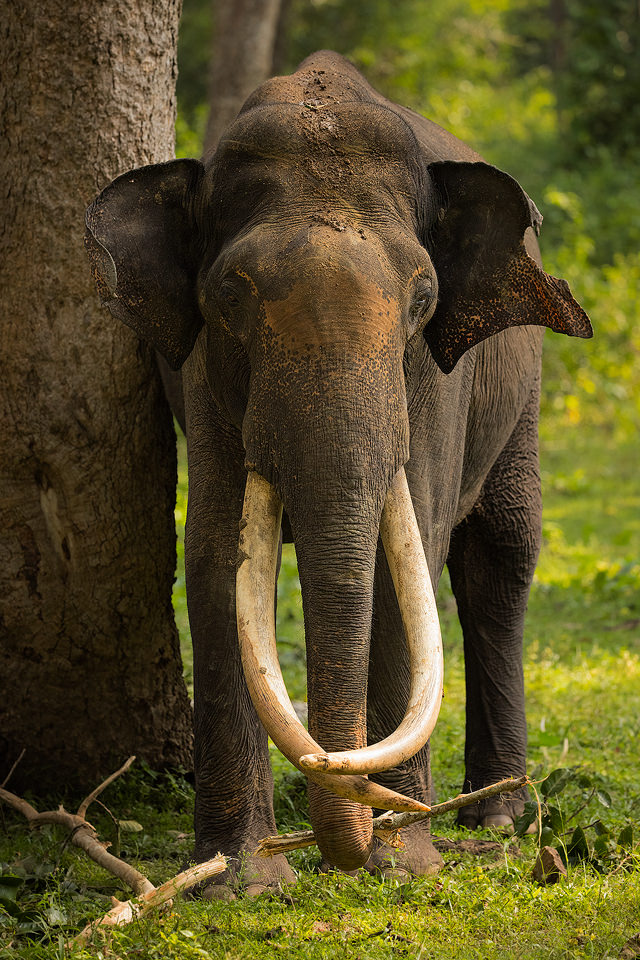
point(244, 40)
point(89, 660)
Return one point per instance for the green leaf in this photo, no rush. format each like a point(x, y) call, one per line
point(578, 847)
point(584, 781)
point(9, 886)
point(604, 797)
point(556, 782)
point(55, 916)
point(10, 906)
point(555, 820)
point(547, 837)
point(130, 826)
point(625, 838)
point(601, 829)
point(524, 821)
point(602, 846)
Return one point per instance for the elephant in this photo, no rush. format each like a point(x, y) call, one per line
point(356, 302)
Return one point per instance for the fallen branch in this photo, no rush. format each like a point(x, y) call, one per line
point(124, 911)
point(86, 803)
point(84, 835)
point(387, 826)
point(399, 820)
point(13, 768)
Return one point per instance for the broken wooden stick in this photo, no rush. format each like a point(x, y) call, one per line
point(86, 803)
point(386, 827)
point(84, 835)
point(124, 911)
point(13, 768)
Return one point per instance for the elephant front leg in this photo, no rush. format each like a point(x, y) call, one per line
point(492, 559)
point(234, 782)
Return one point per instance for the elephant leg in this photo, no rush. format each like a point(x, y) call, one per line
point(234, 782)
point(492, 558)
point(387, 696)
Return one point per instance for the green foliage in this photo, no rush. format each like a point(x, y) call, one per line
point(593, 843)
point(407, 50)
point(598, 383)
point(194, 52)
point(601, 77)
point(593, 52)
point(191, 126)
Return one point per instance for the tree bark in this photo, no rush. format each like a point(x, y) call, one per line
point(89, 659)
point(242, 56)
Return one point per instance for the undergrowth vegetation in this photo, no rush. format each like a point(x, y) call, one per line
point(582, 641)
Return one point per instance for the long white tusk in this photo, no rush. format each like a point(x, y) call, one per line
point(408, 566)
point(255, 583)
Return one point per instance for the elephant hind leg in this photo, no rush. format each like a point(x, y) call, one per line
point(492, 558)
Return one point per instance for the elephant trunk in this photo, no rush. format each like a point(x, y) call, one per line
point(336, 552)
point(337, 580)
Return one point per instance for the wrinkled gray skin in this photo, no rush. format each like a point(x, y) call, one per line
point(346, 289)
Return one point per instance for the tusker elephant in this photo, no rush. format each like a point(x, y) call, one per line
point(355, 301)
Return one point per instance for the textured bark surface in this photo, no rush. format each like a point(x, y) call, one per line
point(243, 46)
point(89, 659)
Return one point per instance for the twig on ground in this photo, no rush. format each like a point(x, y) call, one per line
point(387, 826)
point(124, 912)
point(13, 768)
point(84, 835)
point(86, 803)
point(399, 820)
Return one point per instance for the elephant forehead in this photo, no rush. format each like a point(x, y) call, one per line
point(338, 312)
point(281, 156)
point(352, 129)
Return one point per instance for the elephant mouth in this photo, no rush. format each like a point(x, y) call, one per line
point(342, 773)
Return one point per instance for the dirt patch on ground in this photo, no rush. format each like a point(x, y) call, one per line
point(487, 848)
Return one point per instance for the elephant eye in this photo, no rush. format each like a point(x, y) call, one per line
point(422, 301)
point(228, 295)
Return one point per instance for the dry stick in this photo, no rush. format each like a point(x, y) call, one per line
point(86, 803)
point(84, 835)
point(388, 824)
point(13, 768)
point(124, 912)
point(399, 820)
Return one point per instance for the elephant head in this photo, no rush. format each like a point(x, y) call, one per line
point(308, 258)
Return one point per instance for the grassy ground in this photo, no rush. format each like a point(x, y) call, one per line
point(582, 666)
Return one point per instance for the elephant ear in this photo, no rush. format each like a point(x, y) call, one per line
point(141, 242)
point(486, 279)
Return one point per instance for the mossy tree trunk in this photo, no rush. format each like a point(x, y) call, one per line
point(89, 659)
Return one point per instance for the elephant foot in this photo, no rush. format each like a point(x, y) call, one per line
point(499, 813)
point(247, 875)
point(418, 857)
